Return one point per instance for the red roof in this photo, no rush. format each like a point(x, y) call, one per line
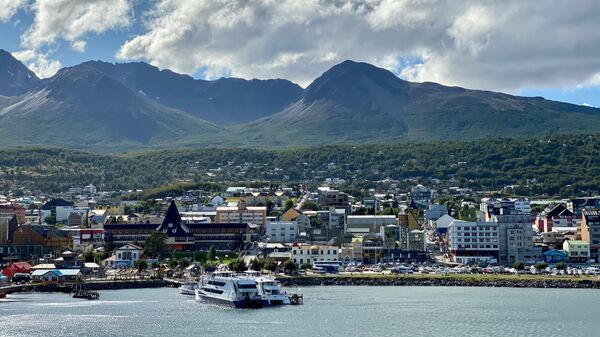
point(17, 267)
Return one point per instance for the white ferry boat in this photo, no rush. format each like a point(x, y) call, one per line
point(188, 288)
point(270, 289)
point(224, 288)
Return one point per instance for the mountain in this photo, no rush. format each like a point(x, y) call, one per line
point(15, 77)
point(80, 107)
point(357, 102)
point(132, 106)
point(226, 101)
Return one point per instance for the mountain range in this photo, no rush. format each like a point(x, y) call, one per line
point(109, 107)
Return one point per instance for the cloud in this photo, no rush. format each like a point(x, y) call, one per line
point(8, 8)
point(500, 45)
point(72, 20)
point(40, 64)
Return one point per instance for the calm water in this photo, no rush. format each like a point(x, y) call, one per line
point(328, 311)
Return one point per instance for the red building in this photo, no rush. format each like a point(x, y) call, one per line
point(17, 267)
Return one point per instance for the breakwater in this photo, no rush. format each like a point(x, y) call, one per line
point(91, 285)
point(444, 281)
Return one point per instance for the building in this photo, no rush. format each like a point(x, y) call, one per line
point(56, 275)
point(42, 235)
point(589, 230)
point(421, 195)
point(7, 227)
point(334, 199)
point(309, 254)
point(371, 222)
point(281, 231)
point(441, 224)
point(184, 236)
point(302, 219)
point(434, 212)
point(577, 205)
point(125, 256)
point(494, 206)
point(242, 213)
point(578, 251)
point(49, 208)
point(8, 210)
point(473, 242)
point(372, 248)
point(516, 238)
point(555, 256)
point(558, 216)
point(352, 251)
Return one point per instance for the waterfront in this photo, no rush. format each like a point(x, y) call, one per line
point(328, 311)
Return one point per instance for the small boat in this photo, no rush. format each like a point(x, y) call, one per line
point(188, 288)
point(296, 299)
point(224, 288)
point(86, 294)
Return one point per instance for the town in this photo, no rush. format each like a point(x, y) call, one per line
point(87, 232)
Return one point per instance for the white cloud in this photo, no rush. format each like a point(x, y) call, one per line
point(72, 20)
point(40, 64)
point(501, 45)
point(8, 8)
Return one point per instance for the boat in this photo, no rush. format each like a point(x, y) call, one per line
point(86, 294)
point(224, 288)
point(272, 291)
point(188, 288)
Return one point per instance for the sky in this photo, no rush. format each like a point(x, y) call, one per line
point(548, 48)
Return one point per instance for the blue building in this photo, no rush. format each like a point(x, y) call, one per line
point(556, 256)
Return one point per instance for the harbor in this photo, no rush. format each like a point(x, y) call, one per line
point(327, 311)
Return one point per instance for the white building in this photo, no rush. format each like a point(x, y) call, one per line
point(90, 189)
point(473, 242)
point(310, 254)
point(242, 214)
point(282, 231)
point(124, 256)
point(371, 222)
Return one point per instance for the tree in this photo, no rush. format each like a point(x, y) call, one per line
point(288, 204)
point(310, 205)
point(88, 255)
point(269, 265)
point(306, 266)
point(519, 266)
point(156, 244)
point(210, 266)
point(238, 265)
point(173, 263)
point(50, 220)
point(290, 267)
point(561, 266)
point(212, 253)
point(184, 263)
point(255, 264)
point(141, 265)
point(155, 265)
point(541, 266)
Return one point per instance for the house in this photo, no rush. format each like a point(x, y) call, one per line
point(555, 256)
point(577, 250)
point(42, 235)
point(558, 216)
point(56, 275)
point(128, 254)
point(434, 212)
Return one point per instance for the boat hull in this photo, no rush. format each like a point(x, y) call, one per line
point(239, 304)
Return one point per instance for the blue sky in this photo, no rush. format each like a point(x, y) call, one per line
point(542, 50)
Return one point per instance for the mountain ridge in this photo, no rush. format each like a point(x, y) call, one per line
point(134, 106)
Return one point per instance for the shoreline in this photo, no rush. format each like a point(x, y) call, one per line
point(490, 281)
point(466, 280)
